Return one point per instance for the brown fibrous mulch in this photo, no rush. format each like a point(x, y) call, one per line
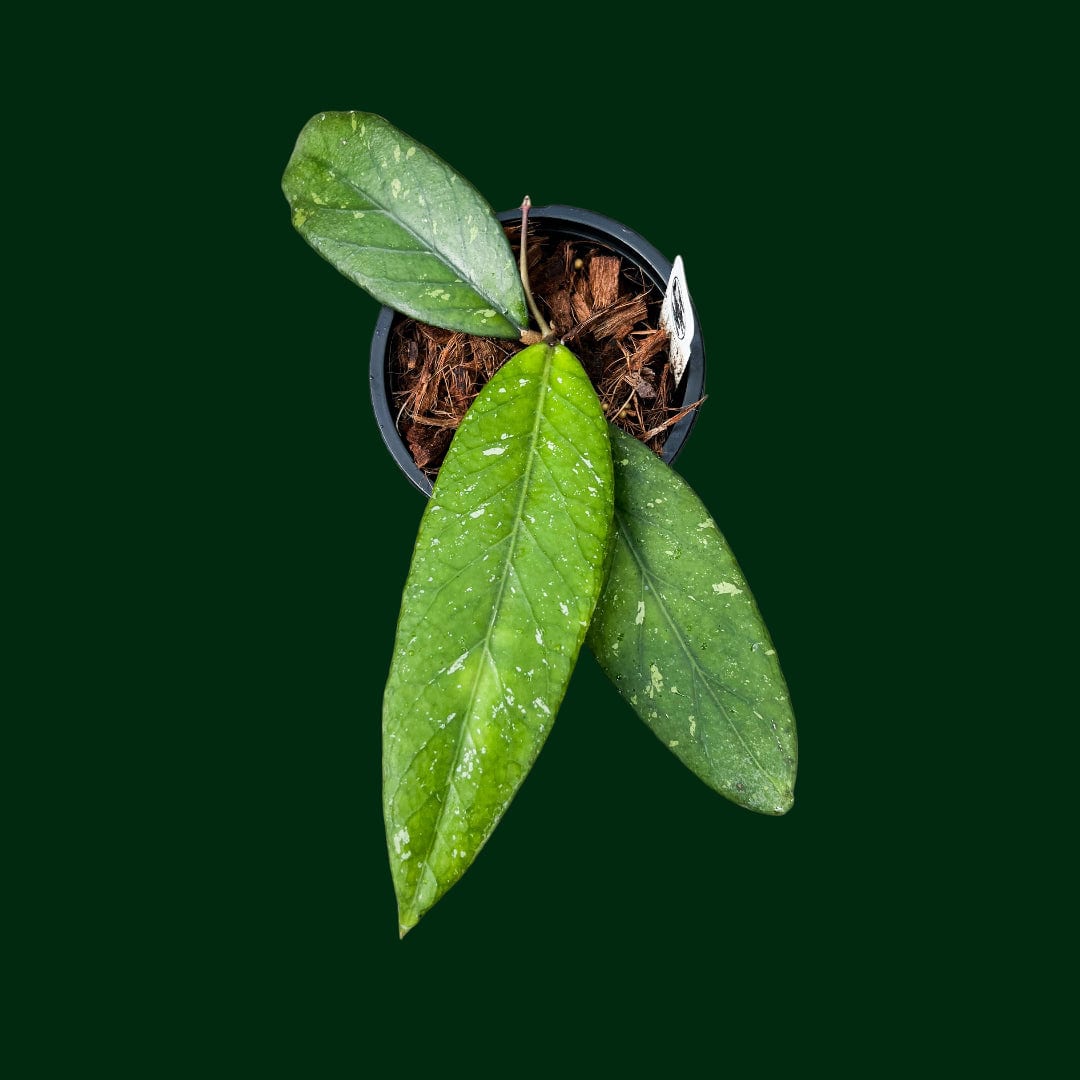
point(601, 309)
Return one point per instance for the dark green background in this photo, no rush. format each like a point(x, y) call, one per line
point(236, 536)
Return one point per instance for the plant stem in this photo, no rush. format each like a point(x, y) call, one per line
point(523, 263)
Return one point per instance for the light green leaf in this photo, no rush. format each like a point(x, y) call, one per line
point(397, 220)
point(678, 632)
point(509, 562)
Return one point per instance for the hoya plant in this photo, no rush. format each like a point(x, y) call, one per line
point(548, 527)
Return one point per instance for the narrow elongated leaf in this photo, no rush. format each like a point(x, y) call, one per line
point(402, 224)
point(509, 562)
point(678, 632)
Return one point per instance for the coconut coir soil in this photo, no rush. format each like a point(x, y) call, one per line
point(603, 310)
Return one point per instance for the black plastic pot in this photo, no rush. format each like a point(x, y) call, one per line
point(559, 222)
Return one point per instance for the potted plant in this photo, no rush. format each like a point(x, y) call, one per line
point(548, 525)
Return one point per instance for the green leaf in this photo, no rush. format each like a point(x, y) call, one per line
point(397, 220)
point(678, 632)
point(509, 562)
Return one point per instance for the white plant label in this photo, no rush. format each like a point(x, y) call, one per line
point(677, 318)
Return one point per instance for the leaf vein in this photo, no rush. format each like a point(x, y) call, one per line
point(431, 243)
point(696, 669)
point(514, 537)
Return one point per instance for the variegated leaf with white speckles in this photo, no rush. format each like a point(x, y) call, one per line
point(678, 632)
point(402, 224)
point(508, 564)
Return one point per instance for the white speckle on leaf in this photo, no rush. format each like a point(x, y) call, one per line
point(563, 608)
point(640, 618)
point(705, 525)
point(693, 727)
point(395, 187)
point(541, 704)
point(467, 764)
point(397, 152)
point(726, 588)
point(409, 153)
point(673, 743)
point(479, 513)
point(539, 636)
point(492, 451)
point(770, 652)
point(401, 840)
point(657, 679)
point(457, 665)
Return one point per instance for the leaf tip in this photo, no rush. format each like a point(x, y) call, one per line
point(773, 799)
point(784, 802)
point(769, 796)
point(407, 919)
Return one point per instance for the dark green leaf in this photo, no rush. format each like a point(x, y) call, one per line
point(397, 220)
point(678, 632)
point(508, 565)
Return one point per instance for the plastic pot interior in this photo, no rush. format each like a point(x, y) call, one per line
point(560, 222)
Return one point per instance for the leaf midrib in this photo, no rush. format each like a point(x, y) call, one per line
point(698, 671)
point(431, 246)
point(515, 533)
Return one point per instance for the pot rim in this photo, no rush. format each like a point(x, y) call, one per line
point(580, 224)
